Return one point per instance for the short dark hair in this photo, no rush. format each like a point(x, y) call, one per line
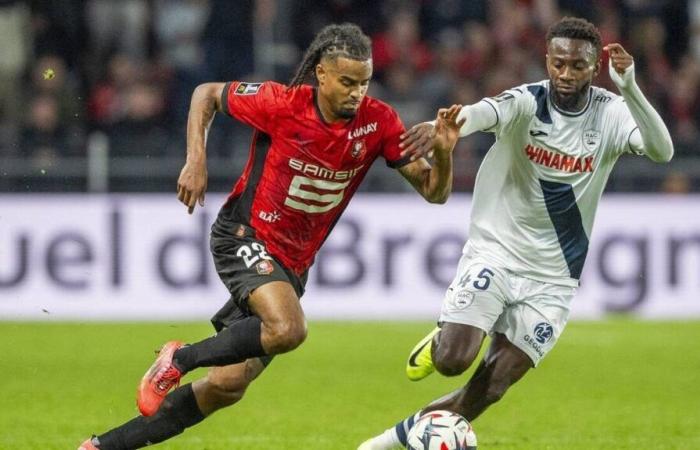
point(346, 40)
point(576, 28)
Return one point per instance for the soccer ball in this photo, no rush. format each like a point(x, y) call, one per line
point(441, 430)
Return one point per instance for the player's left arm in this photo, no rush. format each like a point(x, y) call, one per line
point(653, 138)
point(434, 182)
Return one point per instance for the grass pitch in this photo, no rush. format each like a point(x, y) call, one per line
point(616, 384)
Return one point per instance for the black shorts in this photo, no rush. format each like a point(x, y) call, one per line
point(243, 264)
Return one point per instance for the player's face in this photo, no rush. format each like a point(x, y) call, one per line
point(572, 64)
point(343, 83)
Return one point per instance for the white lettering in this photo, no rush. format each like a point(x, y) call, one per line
point(322, 172)
point(362, 131)
point(296, 164)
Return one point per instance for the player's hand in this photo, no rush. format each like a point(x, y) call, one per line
point(424, 138)
point(418, 141)
point(447, 128)
point(192, 185)
point(620, 60)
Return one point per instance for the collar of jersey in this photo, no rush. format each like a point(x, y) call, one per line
point(335, 126)
point(569, 113)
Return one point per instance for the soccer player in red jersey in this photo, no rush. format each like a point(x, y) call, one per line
point(311, 148)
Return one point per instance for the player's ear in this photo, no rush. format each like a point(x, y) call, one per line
point(320, 73)
point(596, 70)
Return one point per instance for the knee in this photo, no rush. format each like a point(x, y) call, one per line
point(222, 392)
point(286, 336)
point(451, 366)
point(452, 362)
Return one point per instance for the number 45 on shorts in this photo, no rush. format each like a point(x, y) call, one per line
point(481, 282)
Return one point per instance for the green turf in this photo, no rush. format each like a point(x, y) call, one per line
point(609, 385)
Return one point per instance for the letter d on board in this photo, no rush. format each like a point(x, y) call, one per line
point(196, 245)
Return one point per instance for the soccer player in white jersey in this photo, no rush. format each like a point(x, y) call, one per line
point(534, 202)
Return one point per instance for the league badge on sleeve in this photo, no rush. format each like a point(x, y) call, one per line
point(248, 88)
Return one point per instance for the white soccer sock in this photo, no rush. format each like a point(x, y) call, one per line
point(400, 430)
point(388, 440)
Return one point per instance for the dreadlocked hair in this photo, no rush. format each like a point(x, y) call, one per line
point(575, 28)
point(345, 40)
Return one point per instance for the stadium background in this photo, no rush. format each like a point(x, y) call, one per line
point(91, 232)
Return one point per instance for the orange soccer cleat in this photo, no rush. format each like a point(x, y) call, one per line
point(160, 378)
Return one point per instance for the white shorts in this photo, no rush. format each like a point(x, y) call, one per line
point(531, 314)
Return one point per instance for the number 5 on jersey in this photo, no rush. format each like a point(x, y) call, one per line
point(303, 188)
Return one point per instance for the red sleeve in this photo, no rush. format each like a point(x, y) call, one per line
point(390, 146)
point(255, 104)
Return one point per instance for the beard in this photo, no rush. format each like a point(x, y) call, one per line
point(344, 113)
point(573, 101)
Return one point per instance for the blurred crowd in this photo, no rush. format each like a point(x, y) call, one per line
point(126, 68)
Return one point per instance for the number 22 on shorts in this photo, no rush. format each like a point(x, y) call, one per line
point(252, 254)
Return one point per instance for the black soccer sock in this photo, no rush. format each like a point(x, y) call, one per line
point(231, 345)
point(178, 411)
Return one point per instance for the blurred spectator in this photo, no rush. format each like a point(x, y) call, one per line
point(309, 16)
point(62, 86)
point(480, 50)
point(648, 37)
point(106, 104)
point(439, 15)
point(511, 21)
point(579, 8)
point(436, 85)
point(694, 15)
point(676, 183)
point(228, 40)
point(16, 40)
point(43, 138)
point(59, 28)
point(118, 26)
point(141, 131)
point(178, 27)
point(140, 60)
point(403, 92)
point(684, 106)
point(400, 44)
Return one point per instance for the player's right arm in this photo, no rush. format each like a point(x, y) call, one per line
point(420, 140)
point(192, 183)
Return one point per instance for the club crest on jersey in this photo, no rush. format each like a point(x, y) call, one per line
point(264, 267)
point(463, 299)
point(358, 149)
point(591, 139)
point(248, 88)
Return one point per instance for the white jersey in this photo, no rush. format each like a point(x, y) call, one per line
point(538, 187)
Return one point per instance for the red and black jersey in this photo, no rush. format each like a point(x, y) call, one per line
point(302, 171)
